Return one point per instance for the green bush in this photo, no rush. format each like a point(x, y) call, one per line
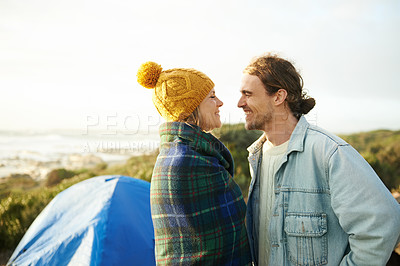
point(140, 167)
point(19, 209)
point(381, 149)
point(56, 176)
point(237, 139)
point(17, 212)
point(16, 182)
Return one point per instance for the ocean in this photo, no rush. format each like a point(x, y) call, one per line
point(37, 153)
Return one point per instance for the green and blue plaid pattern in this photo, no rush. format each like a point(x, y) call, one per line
point(197, 209)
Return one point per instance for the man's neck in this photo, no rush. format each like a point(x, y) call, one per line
point(280, 130)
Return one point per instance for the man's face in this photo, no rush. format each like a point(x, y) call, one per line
point(256, 103)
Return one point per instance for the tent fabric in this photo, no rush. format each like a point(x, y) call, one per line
point(104, 220)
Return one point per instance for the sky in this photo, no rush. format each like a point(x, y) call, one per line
point(72, 64)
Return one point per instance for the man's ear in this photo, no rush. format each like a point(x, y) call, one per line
point(280, 96)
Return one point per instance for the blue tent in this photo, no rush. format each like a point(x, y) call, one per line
point(104, 220)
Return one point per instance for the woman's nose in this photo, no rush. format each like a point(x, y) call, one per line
point(220, 103)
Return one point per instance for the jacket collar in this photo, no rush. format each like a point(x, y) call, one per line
point(296, 142)
point(257, 145)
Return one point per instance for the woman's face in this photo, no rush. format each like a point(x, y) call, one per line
point(209, 112)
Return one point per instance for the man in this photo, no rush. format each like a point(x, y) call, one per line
point(313, 200)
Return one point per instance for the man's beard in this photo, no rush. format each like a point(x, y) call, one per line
point(259, 122)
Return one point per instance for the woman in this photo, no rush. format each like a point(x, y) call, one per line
point(197, 209)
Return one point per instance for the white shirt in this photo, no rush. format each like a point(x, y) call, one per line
point(272, 156)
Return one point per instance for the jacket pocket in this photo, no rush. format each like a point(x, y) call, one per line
point(306, 238)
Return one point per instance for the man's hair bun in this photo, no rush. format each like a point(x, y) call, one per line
point(148, 74)
point(307, 104)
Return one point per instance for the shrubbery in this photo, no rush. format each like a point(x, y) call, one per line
point(22, 199)
point(57, 175)
point(381, 148)
point(237, 139)
point(19, 209)
point(15, 183)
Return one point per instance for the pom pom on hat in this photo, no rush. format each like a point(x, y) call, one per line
point(177, 92)
point(148, 74)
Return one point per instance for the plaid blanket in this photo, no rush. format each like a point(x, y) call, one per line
point(197, 209)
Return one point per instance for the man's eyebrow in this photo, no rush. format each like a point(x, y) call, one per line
point(244, 91)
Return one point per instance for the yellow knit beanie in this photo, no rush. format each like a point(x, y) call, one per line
point(177, 91)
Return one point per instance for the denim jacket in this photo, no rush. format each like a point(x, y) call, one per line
point(330, 207)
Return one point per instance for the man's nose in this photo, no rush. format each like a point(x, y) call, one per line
point(241, 102)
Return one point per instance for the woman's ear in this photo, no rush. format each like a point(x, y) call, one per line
point(280, 96)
